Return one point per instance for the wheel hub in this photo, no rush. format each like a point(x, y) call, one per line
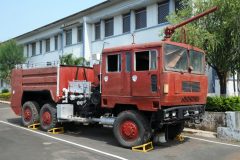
point(46, 118)
point(27, 114)
point(129, 130)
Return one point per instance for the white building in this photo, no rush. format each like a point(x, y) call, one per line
point(84, 33)
point(112, 23)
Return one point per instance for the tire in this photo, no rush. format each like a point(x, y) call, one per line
point(30, 113)
point(48, 117)
point(131, 129)
point(174, 129)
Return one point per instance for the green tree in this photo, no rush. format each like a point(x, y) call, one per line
point(69, 59)
point(218, 34)
point(11, 54)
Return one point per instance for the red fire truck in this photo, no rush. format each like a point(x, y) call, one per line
point(140, 90)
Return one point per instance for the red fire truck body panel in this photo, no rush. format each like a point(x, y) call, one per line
point(52, 79)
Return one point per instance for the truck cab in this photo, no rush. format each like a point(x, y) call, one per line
point(161, 76)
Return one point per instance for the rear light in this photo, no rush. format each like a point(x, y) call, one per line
point(166, 89)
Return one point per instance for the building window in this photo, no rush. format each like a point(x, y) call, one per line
point(68, 37)
point(80, 34)
point(40, 47)
point(126, 23)
point(114, 63)
point(27, 50)
point(141, 18)
point(33, 49)
point(97, 31)
point(145, 60)
point(163, 12)
point(48, 45)
point(109, 27)
point(178, 5)
point(56, 42)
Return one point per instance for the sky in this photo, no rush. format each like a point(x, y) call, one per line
point(20, 16)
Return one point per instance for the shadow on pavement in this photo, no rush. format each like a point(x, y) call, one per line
point(98, 133)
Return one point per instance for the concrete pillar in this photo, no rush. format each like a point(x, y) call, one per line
point(232, 131)
point(132, 19)
point(25, 50)
point(29, 50)
point(74, 35)
point(52, 44)
point(37, 48)
point(118, 25)
point(102, 29)
point(171, 6)
point(152, 15)
point(86, 40)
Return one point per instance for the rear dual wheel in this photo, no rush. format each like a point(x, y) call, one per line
point(48, 116)
point(30, 113)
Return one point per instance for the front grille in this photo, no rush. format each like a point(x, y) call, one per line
point(190, 99)
point(190, 86)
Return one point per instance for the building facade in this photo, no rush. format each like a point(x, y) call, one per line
point(108, 24)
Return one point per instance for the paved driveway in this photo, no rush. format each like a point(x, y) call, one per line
point(97, 143)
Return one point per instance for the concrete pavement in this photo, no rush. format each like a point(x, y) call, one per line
point(85, 142)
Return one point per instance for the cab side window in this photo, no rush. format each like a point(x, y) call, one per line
point(146, 60)
point(114, 63)
point(128, 62)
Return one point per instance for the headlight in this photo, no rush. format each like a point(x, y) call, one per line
point(166, 115)
point(174, 113)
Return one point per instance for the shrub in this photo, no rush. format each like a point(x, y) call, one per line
point(5, 96)
point(5, 90)
point(223, 104)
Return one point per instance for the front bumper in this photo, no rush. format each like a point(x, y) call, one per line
point(182, 113)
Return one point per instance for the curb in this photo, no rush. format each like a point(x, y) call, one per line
point(200, 133)
point(5, 102)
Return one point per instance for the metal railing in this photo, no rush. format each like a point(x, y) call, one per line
point(38, 65)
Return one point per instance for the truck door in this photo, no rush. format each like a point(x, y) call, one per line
point(112, 75)
point(145, 75)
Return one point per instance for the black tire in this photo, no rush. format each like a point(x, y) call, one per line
point(138, 121)
point(30, 113)
point(48, 117)
point(174, 129)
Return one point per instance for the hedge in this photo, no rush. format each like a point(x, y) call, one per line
point(223, 104)
point(5, 90)
point(5, 96)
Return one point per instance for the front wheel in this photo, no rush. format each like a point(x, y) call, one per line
point(131, 129)
point(48, 117)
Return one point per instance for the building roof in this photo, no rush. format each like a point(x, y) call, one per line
point(68, 18)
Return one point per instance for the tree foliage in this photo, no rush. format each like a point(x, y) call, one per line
point(10, 55)
point(218, 33)
point(69, 59)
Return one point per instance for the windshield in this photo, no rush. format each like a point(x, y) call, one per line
point(179, 59)
point(196, 61)
point(176, 58)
